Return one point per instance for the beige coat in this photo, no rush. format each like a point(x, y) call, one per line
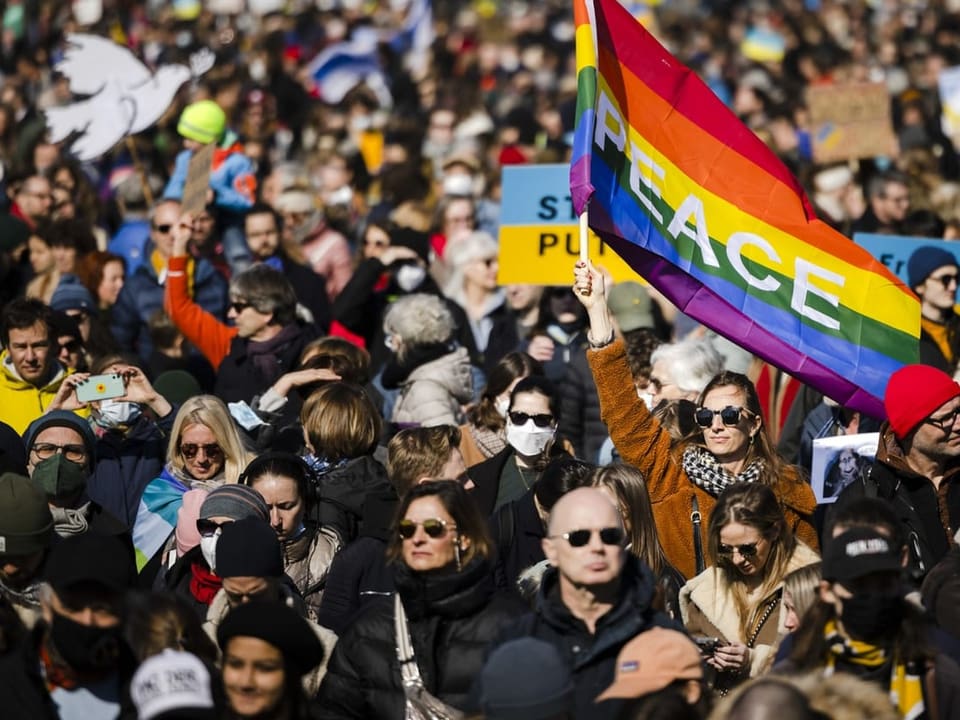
point(707, 610)
point(434, 393)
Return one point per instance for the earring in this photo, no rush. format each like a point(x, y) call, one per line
point(456, 553)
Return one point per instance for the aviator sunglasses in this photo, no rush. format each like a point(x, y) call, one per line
point(210, 450)
point(730, 415)
point(579, 538)
point(433, 527)
point(747, 551)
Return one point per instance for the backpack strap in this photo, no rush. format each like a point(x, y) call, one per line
point(696, 519)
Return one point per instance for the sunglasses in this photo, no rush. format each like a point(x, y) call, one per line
point(210, 450)
point(608, 536)
point(433, 527)
point(206, 528)
point(730, 415)
point(239, 307)
point(947, 280)
point(163, 229)
point(746, 551)
point(539, 419)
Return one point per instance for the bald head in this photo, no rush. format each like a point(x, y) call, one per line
point(584, 507)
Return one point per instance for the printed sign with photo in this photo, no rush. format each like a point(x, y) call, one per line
point(839, 461)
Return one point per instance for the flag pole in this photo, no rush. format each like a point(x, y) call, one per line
point(584, 236)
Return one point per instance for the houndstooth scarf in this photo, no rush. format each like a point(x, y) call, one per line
point(705, 472)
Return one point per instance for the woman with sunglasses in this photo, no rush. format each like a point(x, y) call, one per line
point(531, 434)
point(685, 479)
point(205, 451)
point(442, 554)
point(736, 605)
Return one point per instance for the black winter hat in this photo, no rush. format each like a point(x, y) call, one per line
point(26, 525)
point(249, 547)
point(276, 624)
point(106, 560)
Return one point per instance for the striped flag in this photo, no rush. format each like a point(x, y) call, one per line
point(702, 209)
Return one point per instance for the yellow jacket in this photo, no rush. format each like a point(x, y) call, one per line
point(20, 402)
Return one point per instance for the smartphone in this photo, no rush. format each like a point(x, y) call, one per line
point(101, 387)
point(707, 645)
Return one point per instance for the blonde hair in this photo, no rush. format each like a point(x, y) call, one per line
point(210, 411)
point(341, 422)
point(802, 584)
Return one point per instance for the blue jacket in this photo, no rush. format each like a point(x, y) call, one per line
point(126, 463)
point(129, 242)
point(232, 180)
point(142, 296)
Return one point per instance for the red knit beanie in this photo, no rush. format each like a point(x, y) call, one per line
point(913, 393)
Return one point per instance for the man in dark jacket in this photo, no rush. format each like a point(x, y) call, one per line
point(266, 339)
point(594, 599)
point(918, 461)
point(75, 664)
point(143, 293)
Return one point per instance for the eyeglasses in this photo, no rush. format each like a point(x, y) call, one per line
point(210, 450)
point(208, 527)
point(730, 415)
point(539, 419)
point(944, 422)
point(73, 453)
point(433, 527)
point(239, 307)
point(163, 229)
point(579, 538)
point(746, 551)
point(947, 280)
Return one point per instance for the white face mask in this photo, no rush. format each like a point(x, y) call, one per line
point(459, 185)
point(502, 405)
point(208, 548)
point(117, 413)
point(528, 439)
point(410, 277)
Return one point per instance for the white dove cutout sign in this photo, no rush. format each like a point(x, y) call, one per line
point(119, 95)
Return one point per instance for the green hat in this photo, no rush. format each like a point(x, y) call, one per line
point(26, 525)
point(203, 121)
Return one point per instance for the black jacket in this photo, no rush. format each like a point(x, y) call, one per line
point(517, 533)
point(930, 352)
point(360, 573)
point(238, 377)
point(580, 420)
point(928, 516)
point(343, 492)
point(22, 686)
point(486, 480)
point(452, 618)
point(310, 289)
point(592, 658)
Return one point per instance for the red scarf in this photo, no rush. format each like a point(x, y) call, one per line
point(203, 583)
point(56, 675)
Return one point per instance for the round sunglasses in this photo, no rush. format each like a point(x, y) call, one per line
point(579, 538)
point(729, 416)
point(433, 527)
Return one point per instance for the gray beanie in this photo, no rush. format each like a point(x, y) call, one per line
point(235, 502)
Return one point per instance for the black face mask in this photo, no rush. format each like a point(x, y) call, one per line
point(85, 648)
point(871, 616)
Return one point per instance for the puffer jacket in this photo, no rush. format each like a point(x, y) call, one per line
point(452, 618)
point(433, 393)
point(21, 402)
point(306, 561)
point(707, 609)
point(646, 445)
point(343, 492)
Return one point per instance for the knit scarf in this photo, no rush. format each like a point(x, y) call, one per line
point(28, 597)
point(70, 521)
point(489, 441)
point(705, 472)
point(263, 354)
point(906, 684)
point(203, 583)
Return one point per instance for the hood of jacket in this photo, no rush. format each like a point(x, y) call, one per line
point(452, 371)
point(13, 380)
point(445, 592)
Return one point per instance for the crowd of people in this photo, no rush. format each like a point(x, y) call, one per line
point(294, 452)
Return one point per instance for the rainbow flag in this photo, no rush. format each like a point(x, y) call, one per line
point(702, 209)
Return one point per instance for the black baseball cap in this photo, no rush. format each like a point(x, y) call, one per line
point(857, 552)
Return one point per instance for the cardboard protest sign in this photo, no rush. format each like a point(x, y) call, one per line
point(198, 180)
point(839, 461)
point(850, 121)
point(539, 232)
